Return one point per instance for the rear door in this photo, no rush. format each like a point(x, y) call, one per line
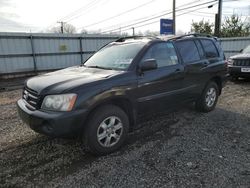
point(210, 50)
point(160, 88)
point(195, 63)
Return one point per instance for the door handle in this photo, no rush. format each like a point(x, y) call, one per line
point(205, 64)
point(177, 70)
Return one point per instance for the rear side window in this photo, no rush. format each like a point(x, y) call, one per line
point(188, 51)
point(209, 47)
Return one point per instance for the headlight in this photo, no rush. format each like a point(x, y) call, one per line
point(230, 62)
point(64, 102)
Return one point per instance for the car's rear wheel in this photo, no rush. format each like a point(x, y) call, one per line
point(106, 130)
point(208, 98)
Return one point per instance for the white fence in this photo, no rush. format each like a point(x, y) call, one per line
point(30, 53)
point(232, 46)
point(24, 53)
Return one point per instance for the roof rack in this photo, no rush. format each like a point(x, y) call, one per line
point(122, 39)
point(172, 37)
point(194, 35)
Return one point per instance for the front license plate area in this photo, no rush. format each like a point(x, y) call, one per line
point(245, 69)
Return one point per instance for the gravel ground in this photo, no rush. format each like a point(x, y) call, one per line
point(178, 149)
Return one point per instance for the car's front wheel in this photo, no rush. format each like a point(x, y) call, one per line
point(106, 130)
point(208, 98)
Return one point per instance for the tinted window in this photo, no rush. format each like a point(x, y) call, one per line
point(209, 47)
point(163, 53)
point(200, 49)
point(188, 51)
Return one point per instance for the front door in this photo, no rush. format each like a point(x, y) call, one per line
point(159, 89)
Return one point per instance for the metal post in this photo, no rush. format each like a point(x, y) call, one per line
point(174, 22)
point(216, 28)
point(61, 26)
point(81, 49)
point(133, 31)
point(219, 14)
point(218, 19)
point(33, 52)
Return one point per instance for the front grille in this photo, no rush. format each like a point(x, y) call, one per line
point(242, 62)
point(31, 97)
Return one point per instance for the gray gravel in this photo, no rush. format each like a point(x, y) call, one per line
point(178, 149)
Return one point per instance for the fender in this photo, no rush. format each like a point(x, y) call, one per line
point(117, 96)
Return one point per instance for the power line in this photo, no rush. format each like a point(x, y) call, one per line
point(74, 14)
point(169, 13)
point(118, 15)
point(130, 10)
point(89, 5)
point(117, 25)
point(161, 16)
point(86, 10)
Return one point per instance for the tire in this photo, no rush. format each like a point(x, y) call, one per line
point(234, 78)
point(208, 99)
point(111, 124)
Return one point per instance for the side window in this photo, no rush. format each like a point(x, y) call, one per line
point(209, 47)
point(188, 51)
point(200, 49)
point(164, 54)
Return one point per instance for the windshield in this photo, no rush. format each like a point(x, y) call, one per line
point(247, 50)
point(115, 56)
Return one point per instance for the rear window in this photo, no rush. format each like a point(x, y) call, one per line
point(188, 51)
point(209, 47)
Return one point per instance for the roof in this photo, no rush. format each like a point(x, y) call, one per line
point(164, 37)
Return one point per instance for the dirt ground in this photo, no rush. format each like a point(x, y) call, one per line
point(184, 148)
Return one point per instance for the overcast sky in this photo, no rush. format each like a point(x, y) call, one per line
point(106, 15)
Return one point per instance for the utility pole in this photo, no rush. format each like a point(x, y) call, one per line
point(174, 22)
point(61, 26)
point(133, 31)
point(218, 17)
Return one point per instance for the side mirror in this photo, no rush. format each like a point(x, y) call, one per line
point(148, 64)
point(241, 50)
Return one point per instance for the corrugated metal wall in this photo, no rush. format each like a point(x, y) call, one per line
point(22, 52)
point(232, 46)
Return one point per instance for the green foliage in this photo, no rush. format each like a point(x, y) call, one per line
point(203, 27)
point(233, 26)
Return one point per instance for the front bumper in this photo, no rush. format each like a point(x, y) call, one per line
point(54, 124)
point(236, 71)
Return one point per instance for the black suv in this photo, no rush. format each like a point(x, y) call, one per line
point(239, 65)
point(101, 99)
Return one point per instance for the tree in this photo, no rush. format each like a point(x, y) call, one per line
point(84, 31)
point(67, 28)
point(233, 26)
point(202, 27)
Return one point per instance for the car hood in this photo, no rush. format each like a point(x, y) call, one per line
point(61, 80)
point(241, 56)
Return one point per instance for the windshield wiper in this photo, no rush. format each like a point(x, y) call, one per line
point(98, 67)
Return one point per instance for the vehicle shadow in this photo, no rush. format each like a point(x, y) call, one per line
point(43, 159)
point(241, 81)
